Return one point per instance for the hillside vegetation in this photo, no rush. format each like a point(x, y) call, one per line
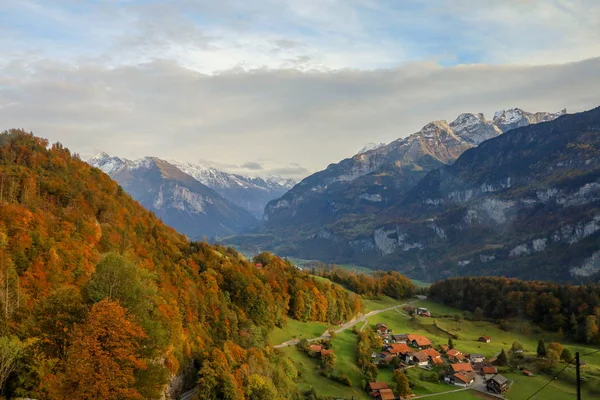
point(101, 300)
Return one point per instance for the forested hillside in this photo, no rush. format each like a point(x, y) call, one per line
point(571, 310)
point(100, 300)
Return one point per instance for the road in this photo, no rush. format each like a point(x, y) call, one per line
point(347, 325)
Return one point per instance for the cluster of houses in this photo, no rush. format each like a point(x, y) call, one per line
point(381, 391)
point(317, 350)
point(409, 350)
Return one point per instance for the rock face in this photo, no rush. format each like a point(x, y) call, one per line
point(525, 203)
point(177, 198)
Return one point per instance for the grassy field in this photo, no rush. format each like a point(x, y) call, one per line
point(344, 345)
point(464, 395)
point(310, 378)
point(297, 329)
point(381, 303)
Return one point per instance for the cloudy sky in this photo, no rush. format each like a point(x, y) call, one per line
point(283, 86)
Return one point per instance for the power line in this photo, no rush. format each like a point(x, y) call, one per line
point(560, 372)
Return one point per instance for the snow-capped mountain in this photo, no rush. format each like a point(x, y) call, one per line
point(516, 118)
point(251, 193)
point(181, 201)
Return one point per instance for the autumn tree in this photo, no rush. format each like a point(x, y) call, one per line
point(552, 357)
point(557, 347)
point(590, 329)
point(103, 357)
point(402, 385)
point(10, 348)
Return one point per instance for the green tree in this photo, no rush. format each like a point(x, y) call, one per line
point(553, 357)
point(566, 355)
point(401, 384)
point(450, 343)
point(478, 314)
point(10, 348)
point(591, 329)
point(541, 349)
point(516, 347)
point(502, 358)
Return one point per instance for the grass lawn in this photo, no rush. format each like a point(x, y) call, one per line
point(297, 329)
point(421, 387)
point(381, 303)
point(309, 377)
point(464, 395)
point(344, 346)
point(524, 386)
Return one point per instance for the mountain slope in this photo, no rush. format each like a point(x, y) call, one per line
point(176, 197)
point(250, 193)
point(107, 302)
point(348, 195)
point(524, 204)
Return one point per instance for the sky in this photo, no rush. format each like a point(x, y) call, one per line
point(283, 87)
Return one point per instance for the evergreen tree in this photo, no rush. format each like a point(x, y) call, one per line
point(502, 358)
point(541, 349)
point(566, 355)
point(402, 385)
point(450, 343)
point(516, 347)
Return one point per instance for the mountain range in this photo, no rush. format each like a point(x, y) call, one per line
point(197, 201)
point(463, 198)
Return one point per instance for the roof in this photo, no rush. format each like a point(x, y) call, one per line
point(438, 361)
point(316, 348)
point(378, 385)
point(472, 356)
point(490, 370)
point(527, 372)
point(461, 367)
point(422, 341)
point(453, 352)
point(400, 336)
point(500, 379)
point(325, 352)
point(381, 324)
point(421, 356)
point(487, 338)
point(387, 394)
point(399, 349)
point(433, 353)
point(444, 347)
point(465, 377)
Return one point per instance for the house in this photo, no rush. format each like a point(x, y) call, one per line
point(485, 339)
point(382, 328)
point(461, 378)
point(420, 358)
point(326, 352)
point(497, 384)
point(386, 394)
point(477, 358)
point(398, 349)
point(437, 361)
point(258, 265)
point(316, 349)
point(375, 387)
point(400, 338)
point(489, 370)
point(461, 367)
point(418, 341)
point(444, 348)
point(434, 356)
point(423, 312)
point(526, 372)
point(455, 355)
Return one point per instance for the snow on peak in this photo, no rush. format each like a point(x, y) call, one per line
point(371, 146)
point(106, 163)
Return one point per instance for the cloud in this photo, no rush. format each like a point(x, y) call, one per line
point(291, 170)
point(278, 116)
point(253, 166)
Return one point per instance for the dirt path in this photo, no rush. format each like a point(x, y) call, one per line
point(347, 325)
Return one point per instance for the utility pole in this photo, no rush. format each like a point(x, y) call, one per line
point(578, 376)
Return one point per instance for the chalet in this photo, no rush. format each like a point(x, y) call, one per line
point(444, 348)
point(454, 368)
point(258, 265)
point(400, 338)
point(375, 387)
point(382, 328)
point(455, 355)
point(386, 394)
point(398, 349)
point(420, 358)
point(418, 341)
point(461, 378)
point(434, 356)
point(489, 370)
point(326, 352)
point(485, 339)
point(497, 384)
point(477, 358)
point(526, 372)
point(316, 349)
point(423, 312)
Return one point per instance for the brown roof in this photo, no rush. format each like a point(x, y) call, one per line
point(453, 352)
point(325, 352)
point(464, 376)
point(433, 353)
point(438, 361)
point(399, 349)
point(461, 367)
point(444, 347)
point(422, 341)
point(490, 370)
point(378, 385)
point(387, 394)
point(421, 356)
point(316, 348)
